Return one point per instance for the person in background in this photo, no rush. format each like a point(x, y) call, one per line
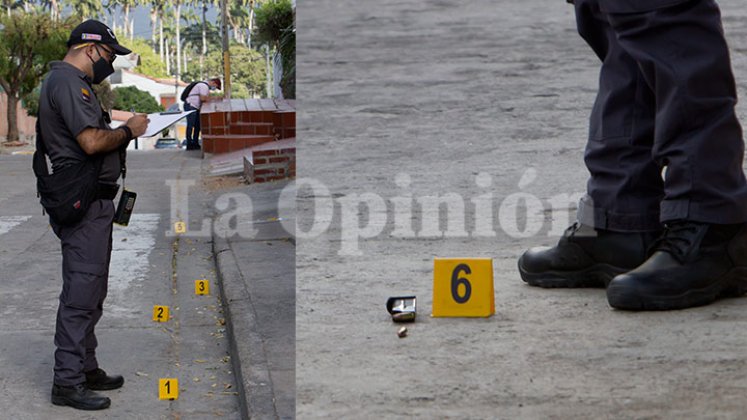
point(198, 94)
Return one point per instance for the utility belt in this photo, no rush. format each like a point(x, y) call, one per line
point(106, 191)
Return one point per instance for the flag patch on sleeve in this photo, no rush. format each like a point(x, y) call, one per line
point(86, 94)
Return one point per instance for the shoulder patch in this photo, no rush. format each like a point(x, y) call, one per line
point(86, 94)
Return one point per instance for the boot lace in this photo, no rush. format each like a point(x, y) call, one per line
point(572, 229)
point(677, 239)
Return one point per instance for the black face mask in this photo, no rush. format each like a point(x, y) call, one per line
point(102, 68)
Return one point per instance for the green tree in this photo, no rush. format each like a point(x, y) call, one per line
point(105, 95)
point(28, 42)
point(31, 102)
point(239, 13)
point(247, 70)
point(130, 97)
point(11, 5)
point(157, 13)
point(287, 49)
point(273, 17)
point(150, 64)
point(196, 43)
point(276, 28)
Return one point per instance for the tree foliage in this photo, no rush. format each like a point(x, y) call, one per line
point(130, 97)
point(276, 28)
point(105, 95)
point(247, 70)
point(28, 42)
point(287, 49)
point(30, 39)
point(150, 64)
point(273, 18)
point(86, 9)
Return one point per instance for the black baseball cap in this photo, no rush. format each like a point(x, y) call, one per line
point(95, 31)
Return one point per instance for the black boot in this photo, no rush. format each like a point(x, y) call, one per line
point(585, 257)
point(692, 264)
point(79, 396)
point(98, 380)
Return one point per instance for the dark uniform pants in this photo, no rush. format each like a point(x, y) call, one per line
point(666, 101)
point(193, 126)
point(86, 252)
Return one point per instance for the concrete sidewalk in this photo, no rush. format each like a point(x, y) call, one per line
point(442, 91)
point(257, 279)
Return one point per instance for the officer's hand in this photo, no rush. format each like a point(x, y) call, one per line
point(138, 124)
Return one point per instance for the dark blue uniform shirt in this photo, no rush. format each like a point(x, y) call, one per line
point(67, 106)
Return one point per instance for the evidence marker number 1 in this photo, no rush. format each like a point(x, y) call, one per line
point(168, 389)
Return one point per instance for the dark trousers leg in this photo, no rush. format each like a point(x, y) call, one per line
point(190, 123)
point(90, 362)
point(86, 251)
point(625, 185)
point(193, 126)
point(196, 135)
point(684, 59)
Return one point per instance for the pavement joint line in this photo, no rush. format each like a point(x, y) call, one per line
point(269, 240)
point(251, 367)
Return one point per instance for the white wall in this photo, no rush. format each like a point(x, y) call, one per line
point(148, 85)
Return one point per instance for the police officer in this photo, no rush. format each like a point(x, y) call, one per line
point(665, 104)
point(74, 127)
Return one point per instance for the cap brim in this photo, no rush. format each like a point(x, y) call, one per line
point(120, 50)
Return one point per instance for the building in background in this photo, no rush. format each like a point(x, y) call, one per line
point(165, 91)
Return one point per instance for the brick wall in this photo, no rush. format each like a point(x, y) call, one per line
point(271, 165)
point(233, 125)
point(271, 162)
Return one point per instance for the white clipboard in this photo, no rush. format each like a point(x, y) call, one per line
point(161, 121)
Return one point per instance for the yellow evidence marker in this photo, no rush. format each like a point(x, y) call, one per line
point(160, 313)
point(180, 227)
point(202, 287)
point(168, 389)
point(463, 287)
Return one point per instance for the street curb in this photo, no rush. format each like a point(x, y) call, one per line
point(256, 391)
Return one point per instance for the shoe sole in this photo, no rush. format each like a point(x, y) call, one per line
point(57, 400)
point(732, 284)
point(595, 276)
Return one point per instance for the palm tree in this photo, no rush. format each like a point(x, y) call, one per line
point(204, 50)
point(250, 23)
point(157, 8)
point(127, 5)
point(85, 9)
point(54, 8)
point(238, 17)
point(177, 20)
point(159, 11)
point(10, 5)
point(188, 16)
point(167, 38)
point(196, 38)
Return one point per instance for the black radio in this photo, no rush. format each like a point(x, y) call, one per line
point(124, 208)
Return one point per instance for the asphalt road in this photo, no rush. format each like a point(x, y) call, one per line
point(442, 91)
point(148, 268)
